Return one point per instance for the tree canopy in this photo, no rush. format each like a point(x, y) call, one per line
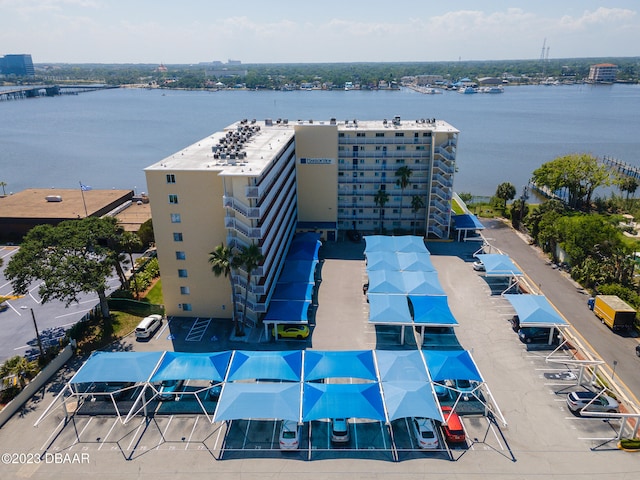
point(74, 257)
point(579, 174)
point(506, 191)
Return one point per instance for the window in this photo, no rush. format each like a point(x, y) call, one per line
point(399, 134)
point(420, 147)
point(182, 273)
point(400, 161)
point(379, 134)
point(362, 174)
point(175, 218)
point(184, 291)
point(341, 134)
point(426, 134)
point(181, 256)
point(401, 147)
point(416, 134)
point(171, 178)
point(360, 134)
point(341, 174)
point(186, 307)
point(383, 186)
point(177, 236)
point(173, 199)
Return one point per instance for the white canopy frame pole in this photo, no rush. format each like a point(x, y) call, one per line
point(52, 406)
point(141, 395)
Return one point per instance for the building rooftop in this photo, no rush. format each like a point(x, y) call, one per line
point(246, 147)
point(63, 203)
point(243, 148)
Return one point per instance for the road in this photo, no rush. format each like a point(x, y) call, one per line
point(18, 331)
point(571, 301)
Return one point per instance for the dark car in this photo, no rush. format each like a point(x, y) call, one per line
point(638, 350)
point(515, 323)
point(537, 335)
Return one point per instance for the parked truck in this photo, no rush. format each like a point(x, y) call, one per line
point(614, 312)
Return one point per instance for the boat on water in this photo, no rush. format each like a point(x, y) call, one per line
point(467, 90)
point(493, 89)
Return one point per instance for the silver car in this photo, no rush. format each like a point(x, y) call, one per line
point(591, 402)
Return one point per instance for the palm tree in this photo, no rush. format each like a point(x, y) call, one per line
point(130, 242)
point(222, 262)
point(20, 368)
point(403, 175)
point(417, 202)
point(249, 259)
point(381, 198)
point(2, 185)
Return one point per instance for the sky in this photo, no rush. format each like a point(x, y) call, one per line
point(298, 31)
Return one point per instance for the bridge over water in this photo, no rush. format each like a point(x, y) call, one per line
point(33, 91)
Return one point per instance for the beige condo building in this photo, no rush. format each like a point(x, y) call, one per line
point(260, 182)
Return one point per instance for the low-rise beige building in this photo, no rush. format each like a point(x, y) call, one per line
point(258, 182)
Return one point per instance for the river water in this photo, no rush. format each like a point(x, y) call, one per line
point(105, 139)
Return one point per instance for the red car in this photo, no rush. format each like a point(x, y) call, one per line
point(452, 426)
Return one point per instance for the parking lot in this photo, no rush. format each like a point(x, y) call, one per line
point(53, 318)
point(541, 437)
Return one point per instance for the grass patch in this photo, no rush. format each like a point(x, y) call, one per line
point(96, 334)
point(155, 294)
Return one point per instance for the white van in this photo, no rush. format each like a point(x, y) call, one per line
point(148, 326)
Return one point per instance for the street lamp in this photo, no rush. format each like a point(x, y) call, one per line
point(613, 375)
point(35, 325)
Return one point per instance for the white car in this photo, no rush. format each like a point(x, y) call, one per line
point(148, 326)
point(340, 430)
point(289, 435)
point(425, 432)
point(478, 266)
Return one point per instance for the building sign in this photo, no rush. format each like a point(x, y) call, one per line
point(316, 161)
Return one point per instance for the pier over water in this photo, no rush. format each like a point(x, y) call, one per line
point(34, 91)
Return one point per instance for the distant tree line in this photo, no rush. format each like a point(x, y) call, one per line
point(275, 76)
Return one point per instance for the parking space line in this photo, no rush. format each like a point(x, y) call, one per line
point(164, 433)
point(135, 435)
point(77, 440)
point(192, 430)
point(53, 433)
point(198, 330)
point(115, 422)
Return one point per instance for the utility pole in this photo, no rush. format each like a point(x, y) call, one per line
point(35, 325)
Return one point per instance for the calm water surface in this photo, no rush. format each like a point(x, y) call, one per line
point(105, 139)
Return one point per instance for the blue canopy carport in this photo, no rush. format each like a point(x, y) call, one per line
point(389, 310)
point(431, 311)
point(304, 249)
point(287, 312)
point(536, 311)
point(114, 367)
point(404, 283)
point(384, 243)
point(186, 366)
point(339, 364)
point(465, 223)
point(264, 400)
point(342, 400)
point(450, 366)
point(301, 271)
point(271, 365)
point(293, 291)
point(500, 265)
point(398, 261)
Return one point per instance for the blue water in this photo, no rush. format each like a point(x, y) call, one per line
point(105, 139)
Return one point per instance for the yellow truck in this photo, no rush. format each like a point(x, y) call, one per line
point(614, 312)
